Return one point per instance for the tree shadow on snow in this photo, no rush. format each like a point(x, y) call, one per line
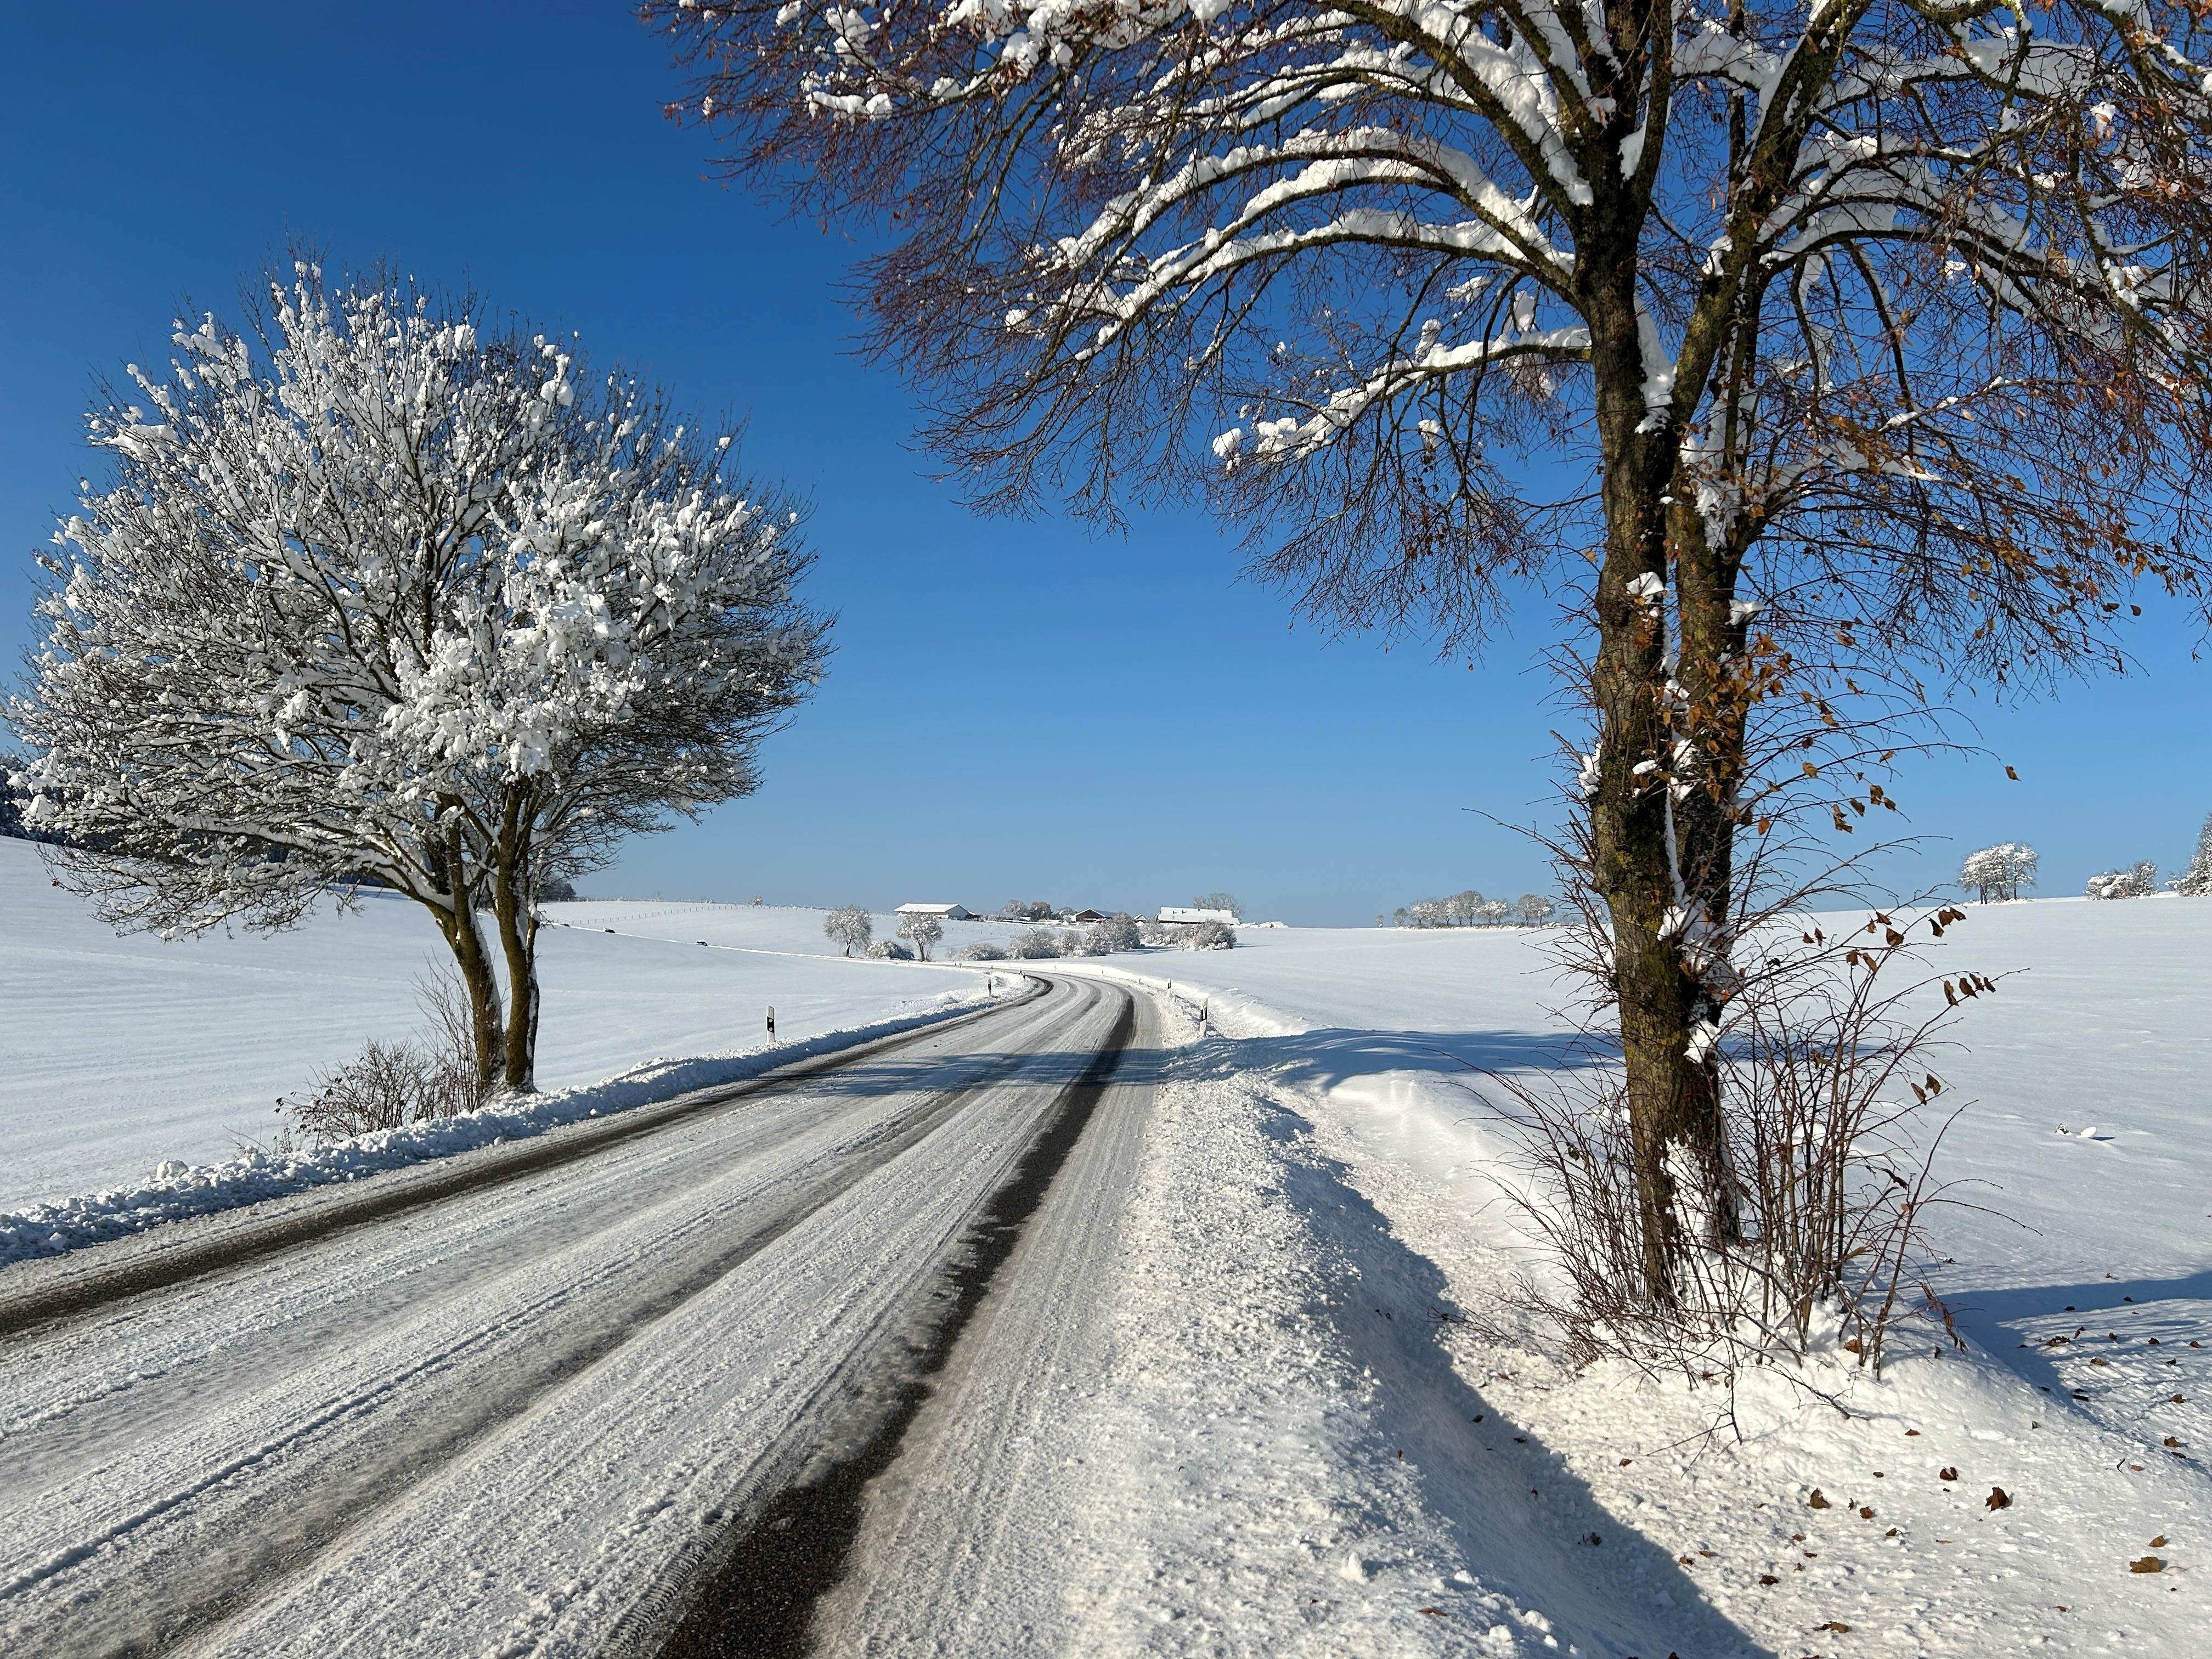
point(1519, 1520)
point(1326, 1058)
point(1991, 1317)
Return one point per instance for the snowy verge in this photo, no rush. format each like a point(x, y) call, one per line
point(176, 1190)
point(1359, 1394)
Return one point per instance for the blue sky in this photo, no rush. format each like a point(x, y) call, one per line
point(1015, 707)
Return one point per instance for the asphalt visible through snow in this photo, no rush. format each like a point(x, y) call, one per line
point(630, 1388)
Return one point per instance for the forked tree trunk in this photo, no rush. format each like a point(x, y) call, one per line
point(454, 911)
point(465, 937)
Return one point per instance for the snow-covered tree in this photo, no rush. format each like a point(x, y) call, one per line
point(921, 932)
point(1209, 936)
point(1117, 932)
point(850, 926)
point(1997, 873)
point(2196, 882)
point(1834, 336)
point(381, 589)
point(2137, 880)
point(1535, 909)
point(1218, 901)
point(1035, 945)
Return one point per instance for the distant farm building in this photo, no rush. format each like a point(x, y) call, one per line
point(942, 912)
point(1090, 915)
point(1177, 912)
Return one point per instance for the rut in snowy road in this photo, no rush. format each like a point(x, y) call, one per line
point(522, 1417)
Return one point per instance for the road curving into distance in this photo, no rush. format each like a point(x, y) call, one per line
point(627, 1388)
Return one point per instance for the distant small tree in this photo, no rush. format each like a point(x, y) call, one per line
point(1117, 932)
point(888, 949)
point(1219, 902)
point(851, 927)
point(557, 890)
point(1535, 909)
point(1209, 936)
point(1400, 917)
point(1997, 873)
point(923, 931)
point(2137, 880)
point(2196, 882)
point(1035, 945)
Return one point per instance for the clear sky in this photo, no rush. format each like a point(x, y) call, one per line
point(1016, 709)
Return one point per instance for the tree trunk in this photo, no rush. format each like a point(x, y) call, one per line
point(1710, 710)
point(518, 935)
point(454, 911)
point(466, 941)
point(1637, 842)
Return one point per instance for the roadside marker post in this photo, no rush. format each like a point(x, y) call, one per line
point(771, 1023)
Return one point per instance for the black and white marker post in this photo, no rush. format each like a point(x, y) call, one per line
point(771, 1023)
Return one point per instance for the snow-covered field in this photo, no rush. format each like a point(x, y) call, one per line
point(119, 1053)
point(1300, 1445)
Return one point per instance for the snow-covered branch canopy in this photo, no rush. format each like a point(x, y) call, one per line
point(1875, 279)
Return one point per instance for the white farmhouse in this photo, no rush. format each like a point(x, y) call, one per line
point(1185, 914)
point(942, 912)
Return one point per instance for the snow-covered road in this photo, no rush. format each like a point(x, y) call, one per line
point(550, 1411)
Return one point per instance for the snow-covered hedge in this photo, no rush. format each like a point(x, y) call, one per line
point(2137, 880)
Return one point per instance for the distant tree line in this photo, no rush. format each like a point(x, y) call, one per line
point(1471, 909)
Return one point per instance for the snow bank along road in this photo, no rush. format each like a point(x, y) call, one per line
point(616, 1390)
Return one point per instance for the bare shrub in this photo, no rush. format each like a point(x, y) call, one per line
point(389, 1086)
point(888, 950)
point(982, 950)
point(1828, 1151)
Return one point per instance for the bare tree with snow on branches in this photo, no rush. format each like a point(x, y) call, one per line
point(382, 588)
point(1851, 342)
point(921, 932)
point(1996, 874)
point(849, 925)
